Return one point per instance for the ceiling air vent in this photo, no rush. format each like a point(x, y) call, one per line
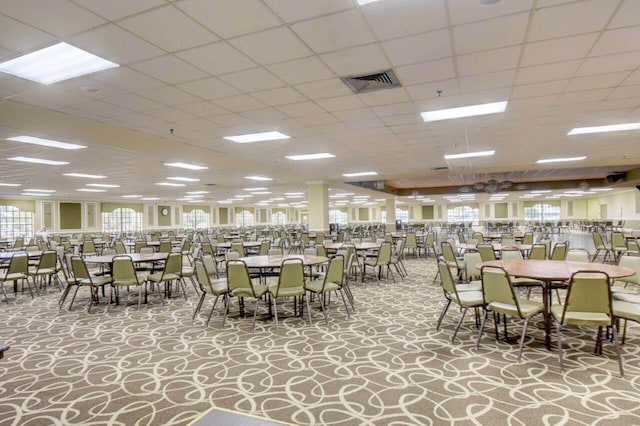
point(440, 168)
point(372, 82)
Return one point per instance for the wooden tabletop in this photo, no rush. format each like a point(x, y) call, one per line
point(136, 257)
point(8, 254)
point(246, 244)
point(555, 270)
point(497, 246)
point(359, 246)
point(276, 260)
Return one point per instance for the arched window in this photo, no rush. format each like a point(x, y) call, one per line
point(195, 219)
point(121, 220)
point(244, 218)
point(338, 216)
point(542, 212)
point(14, 222)
point(463, 214)
point(278, 218)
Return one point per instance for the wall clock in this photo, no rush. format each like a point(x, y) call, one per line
point(164, 211)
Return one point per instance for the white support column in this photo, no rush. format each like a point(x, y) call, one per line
point(318, 196)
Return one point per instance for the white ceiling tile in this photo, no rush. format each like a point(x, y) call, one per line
point(102, 108)
point(382, 97)
point(334, 32)
point(127, 79)
point(488, 61)
point(265, 115)
point(239, 103)
point(115, 44)
point(617, 41)
point(169, 69)
point(539, 89)
point(85, 86)
point(464, 11)
point(295, 10)
point(168, 29)
point(49, 97)
point(217, 58)
point(430, 90)
point(357, 114)
point(548, 72)
point(19, 37)
point(557, 50)
point(627, 15)
point(341, 103)
point(209, 88)
point(233, 120)
point(170, 114)
point(300, 109)
point(279, 96)
point(324, 89)
point(230, 18)
point(402, 119)
point(425, 72)
point(419, 48)
point(487, 81)
point(252, 80)
point(202, 109)
point(633, 79)
point(59, 17)
point(134, 102)
point(141, 120)
point(169, 95)
point(401, 18)
point(586, 96)
point(596, 81)
point(610, 63)
point(560, 21)
point(114, 10)
point(491, 34)
point(625, 92)
point(271, 46)
point(366, 59)
point(199, 124)
point(402, 108)
point(547, 3)
point(301, 70)
point(315, 120)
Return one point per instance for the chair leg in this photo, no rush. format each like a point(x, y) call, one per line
point(559, 344)
point(524, 332)
point(324, 309)
point(618, 352)
point(484, 320)
point(4, 291)
point(455, 331)
point(227, 301)
point(306, 299)
point(442, 314)
point(255, 314)
point(275, 312)
point(73, 298)
point(212, 309)
point(199, 305)
point(160, 294)
point(344, 300)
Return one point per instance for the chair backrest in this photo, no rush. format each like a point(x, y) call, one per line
point(560, 251)
point(210, 264)
point(598, 241)
point(511, 254)
point(138, 245)
point(206, 248)
point(79, 268)
point(497, 288)
point(486, 251)
point(462, 238)
point(275, 252)
point(264, 248)
point(119, 247)
point(238, 247)
point(411, 241)
point(634, 247)
point(319, 237)
point(527, 238)
point(538, 252)
point(186, 246)
point(18, 243)
point(49, 259)
point(632, 262)
point(447, 251)
point(19, 263)
point(588, 292)
point(165, 247)
point(578, 255)
point(478, 236)
point(321, 250)
point(310, 251)
point(203, 274)
point(448, 286)
point(291, 275)
point(123, 268)
point(400, 245)
point(429, 239)
point(471, 259)
point(238, 276)
point(88, 247)
point(146, 250)
point(618, 241)
point(109, 252)
point(173, 264)
point(384, 253)
point(231, 255)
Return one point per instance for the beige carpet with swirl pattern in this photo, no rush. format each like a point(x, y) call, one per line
point(386, 365)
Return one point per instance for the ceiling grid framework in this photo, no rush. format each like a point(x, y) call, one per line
point(214, 69)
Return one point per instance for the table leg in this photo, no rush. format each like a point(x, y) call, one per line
point(546, 301)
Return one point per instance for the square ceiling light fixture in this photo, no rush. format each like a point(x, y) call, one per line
point(45, 142)
point(187, 166)
point(38, 161)
point(468, 111)
point(603, 129)
point(257, 137)
point(310, 156)
point(469, 155)
point(55, 63)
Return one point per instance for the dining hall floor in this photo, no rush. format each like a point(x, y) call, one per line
point(387, 365)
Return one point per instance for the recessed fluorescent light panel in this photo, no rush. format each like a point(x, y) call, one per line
point(149, 198)
point(186, 166)
point(260, 178)
point(103, 185)
point(257, 137)
point(183, 179)
point(132, 196)
point(363, 2)
point(10, 184)
point(197, 192)
point(55, 63)
point(38, 161)
point(469, 155)
point(359, 174)
point(170, 184)
point(468, 111)
point(91, 190)
point(560, 160)
point(254, 189)
point(45, 142)
point(84, 175)
point(602, 129)
point(33, 194)
point(39, 190)
point(310, 156)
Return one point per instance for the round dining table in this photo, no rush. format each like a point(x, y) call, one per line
point(549, 271)
point(367, 245)
point(135, 257)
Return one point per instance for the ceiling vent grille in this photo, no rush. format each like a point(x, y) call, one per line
point(371, 83)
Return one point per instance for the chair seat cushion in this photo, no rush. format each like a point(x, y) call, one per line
point(472, 286)
point(12, 276)
point(158, 276)
point(246, 292)
point(626, 310)
point(581, 318)
point(316, 286)
point(42, 271)
point(469, 298)
point(528, 308)
point(97, 281)
point(287, 291)
point(218, 287)
point(626, 297)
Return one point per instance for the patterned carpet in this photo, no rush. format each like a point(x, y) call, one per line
point(385, 366)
